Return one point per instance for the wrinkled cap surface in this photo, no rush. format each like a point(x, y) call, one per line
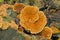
point(46, 33)
point(32, 19)
point(54, 30)
point(18, 6)
point(29, 14)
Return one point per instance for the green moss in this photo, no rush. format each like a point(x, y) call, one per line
point(10, 34)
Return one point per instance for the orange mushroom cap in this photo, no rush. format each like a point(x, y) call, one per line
point(54, 29)
point(1, 21)
point(33, 20)
point(5, 25)
point(13, 25)
point(6, 6)
point(3, 12)
point(18, 6)
point(46, 33)
point(29, 14)
point(3, 9)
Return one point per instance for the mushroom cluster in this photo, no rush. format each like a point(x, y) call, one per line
point(3, 9)
point(3, 14)
point(32, 19)
point(3, 24)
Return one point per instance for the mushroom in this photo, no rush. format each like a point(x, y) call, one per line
point(3, 9)
point(20, 29)
point(54, 29)
point(1, 21)
point(5, 25)
point(18, 6)
point(32, 19)
point(13, 25)
point(6, 6)
point(46, 33)
point(29, 14)
point(3, 12)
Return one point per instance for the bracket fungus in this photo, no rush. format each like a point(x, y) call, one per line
point(5, 25)
point(46, 33)
point(3, 12)
point(13, 25)
point(3, 9)
point(6, 6)
point(54, 30)
point(1, 21)
point(18, 6)
point(32, 19)
point(29, 13)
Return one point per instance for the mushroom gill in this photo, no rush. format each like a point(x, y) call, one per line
point(32, 19)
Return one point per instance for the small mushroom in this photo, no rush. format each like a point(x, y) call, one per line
point(18, 7)
point(3, 12)
point(6, 6)
point(18, 16)
point(46, 33)
point(13, 25)
point(54, 29)
point(5, 25)
point(3, 9)
point(1, 21)
point(32, 19)
point(20, 29)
